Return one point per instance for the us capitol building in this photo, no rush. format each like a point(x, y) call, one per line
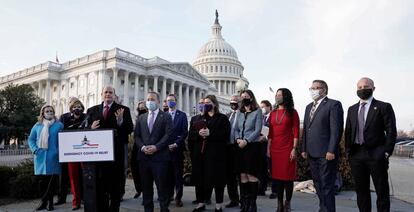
point(216, 70)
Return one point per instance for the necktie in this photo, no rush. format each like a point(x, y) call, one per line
point(106, 110)
point(312, 112)
point(361, 123)
point(151, 121)
point(172, 115)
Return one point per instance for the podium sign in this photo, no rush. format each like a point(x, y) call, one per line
point(86, 146)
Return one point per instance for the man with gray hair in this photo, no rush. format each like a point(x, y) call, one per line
point(110, 115)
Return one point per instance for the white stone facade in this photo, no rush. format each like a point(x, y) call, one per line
point(132, 77)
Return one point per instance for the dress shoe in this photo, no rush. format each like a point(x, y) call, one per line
point(273, 196)
point(202, 208)
point(41, 206)
point(232, 204)
point(60, 202)
point(261, 193)
point(178, 203)
point(194, 202)
point(75, 207)
point(218, 210)
point(137, 195)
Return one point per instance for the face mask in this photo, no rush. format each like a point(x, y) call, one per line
point(200, 107)
point(264, 111)
point(315, 94)
point(165, 109)
point(141, 111)
point(364, 94)
point(279, 101)
point(151, 105)
point(234, 106)
point(171, 104)
point(246, 102)
point(49, 115)
point(208, 107)
point(77, 111)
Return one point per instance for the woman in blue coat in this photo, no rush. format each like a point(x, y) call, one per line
point(43, 142)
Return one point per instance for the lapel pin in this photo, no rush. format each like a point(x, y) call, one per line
point(375, 108)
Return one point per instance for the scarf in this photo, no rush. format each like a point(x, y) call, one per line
point(44, 135)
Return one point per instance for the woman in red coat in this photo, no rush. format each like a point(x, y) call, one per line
point(283, 138)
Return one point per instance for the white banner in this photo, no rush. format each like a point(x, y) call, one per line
point(86, 146)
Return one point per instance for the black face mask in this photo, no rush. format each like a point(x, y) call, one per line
point(234, 106)
point(140, 112)
point(165, 109)
point(364, 94)
point(77, 112)
point(246, 102)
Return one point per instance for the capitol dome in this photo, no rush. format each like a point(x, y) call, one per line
point(218, 61)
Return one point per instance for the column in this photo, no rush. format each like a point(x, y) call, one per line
point(67, 86)
point(155, 84)
point(193, 101)
point(219, 87)
point(226, 88)
point(98, 75)
point(77, 87)
point(126, 88)
point(136, 90)
point(115, 79)
point(200, 94)
point(48, 92)
point(145, 87)
point(59, 89)
point(39, 90)
point(172, 86)
point(187, 99)
point(180, 94)
point(86, 84)
point(164, 89)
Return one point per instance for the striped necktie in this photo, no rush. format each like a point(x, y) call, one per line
point(312, 112)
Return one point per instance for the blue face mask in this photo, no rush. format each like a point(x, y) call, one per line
point(208, 107)
point(200, 107)
point(151, 105)
point(171, 104)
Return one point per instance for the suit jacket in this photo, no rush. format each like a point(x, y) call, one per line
point(179, 133)
point(160, 136)
point(121, 132)
point(324, 132)
point(380, 130)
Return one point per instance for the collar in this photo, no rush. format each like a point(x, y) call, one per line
point(155, 112)
point(368, 101)
point(320, 100)
point(108, 105)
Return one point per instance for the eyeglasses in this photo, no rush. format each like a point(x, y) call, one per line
point(315, 88)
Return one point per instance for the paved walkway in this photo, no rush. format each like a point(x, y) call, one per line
point(345, 202)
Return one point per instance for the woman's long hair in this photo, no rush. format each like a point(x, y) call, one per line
point(287, 100)
point(213, 99)
point(253, 104)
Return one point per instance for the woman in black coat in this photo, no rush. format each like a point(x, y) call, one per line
point(209, 134)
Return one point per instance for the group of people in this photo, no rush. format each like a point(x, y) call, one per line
point(234, 150)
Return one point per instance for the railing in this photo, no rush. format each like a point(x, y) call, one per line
point(13, 157)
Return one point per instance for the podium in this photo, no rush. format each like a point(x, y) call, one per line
point(89, 147)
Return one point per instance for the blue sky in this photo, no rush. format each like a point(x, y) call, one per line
point(280, 43)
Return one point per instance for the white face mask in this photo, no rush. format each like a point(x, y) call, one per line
point(315, 94)
point(49, 115)
point(264, 112)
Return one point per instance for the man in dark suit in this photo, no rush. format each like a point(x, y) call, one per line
point(370, 135)
point(180, 132)
point(322, 131)
point(110, 115)
point(153, 132)
point(232, 185)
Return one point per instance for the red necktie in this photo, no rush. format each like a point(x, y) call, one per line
point(106, 110)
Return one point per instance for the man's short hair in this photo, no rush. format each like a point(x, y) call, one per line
point(155, 93)
point(323, 83)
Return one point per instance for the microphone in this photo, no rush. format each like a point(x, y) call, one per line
point(84, 123)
